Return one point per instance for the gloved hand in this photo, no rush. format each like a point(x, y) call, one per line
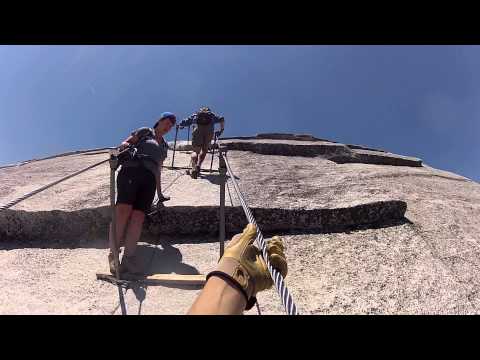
point(243, 264)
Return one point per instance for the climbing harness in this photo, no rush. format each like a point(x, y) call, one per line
point(277, 278)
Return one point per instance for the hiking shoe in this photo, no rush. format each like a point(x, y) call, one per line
point(194, 173)
point(131, 265)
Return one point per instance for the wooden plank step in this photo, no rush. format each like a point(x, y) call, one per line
point(157, 279)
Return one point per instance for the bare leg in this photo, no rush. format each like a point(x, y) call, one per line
point(218, 298)
point(134, 231)
point(195, 155)
point(202, 156)
point(195, 169)
point(122, 212)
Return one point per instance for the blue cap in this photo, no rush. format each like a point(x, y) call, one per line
point(168, 115)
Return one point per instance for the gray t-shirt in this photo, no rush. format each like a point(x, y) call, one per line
point(149, 151)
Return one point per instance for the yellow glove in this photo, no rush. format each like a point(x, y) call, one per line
point(243, 265)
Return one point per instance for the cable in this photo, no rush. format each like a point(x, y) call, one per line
point(277, 278)
point(31, 193)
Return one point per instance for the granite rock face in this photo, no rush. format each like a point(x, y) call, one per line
point(38, 226)
point(310, 146)
point(189, 220)
point(366, 231)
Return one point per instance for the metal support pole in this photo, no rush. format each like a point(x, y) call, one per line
point(222, 168)
point(175, 144)
point(113, 168)
point(213, 152)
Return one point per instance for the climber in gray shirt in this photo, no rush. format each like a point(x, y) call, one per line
point(136, 183)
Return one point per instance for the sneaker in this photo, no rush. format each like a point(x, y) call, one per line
point(131, 266)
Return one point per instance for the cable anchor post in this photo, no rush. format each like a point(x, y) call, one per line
point(175, 144)
point(222, 169)
point(114, 244)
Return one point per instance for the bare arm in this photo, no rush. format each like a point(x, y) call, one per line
point(218, 297)
point(131, 140)
point(188, 121)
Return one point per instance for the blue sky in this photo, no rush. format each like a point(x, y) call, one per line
point(421, 101)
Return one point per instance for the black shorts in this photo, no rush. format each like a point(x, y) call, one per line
point(136, 186)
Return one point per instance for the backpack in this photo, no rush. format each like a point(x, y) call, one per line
point(204, 118)
point(130, 155)
point(146, 135)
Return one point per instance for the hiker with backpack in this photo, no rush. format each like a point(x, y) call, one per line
point(137, 180)
point(202, 135)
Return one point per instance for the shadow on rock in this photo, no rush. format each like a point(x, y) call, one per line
point(214, 179)
point(164, 260)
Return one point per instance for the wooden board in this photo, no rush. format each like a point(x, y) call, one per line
point(158, 279)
